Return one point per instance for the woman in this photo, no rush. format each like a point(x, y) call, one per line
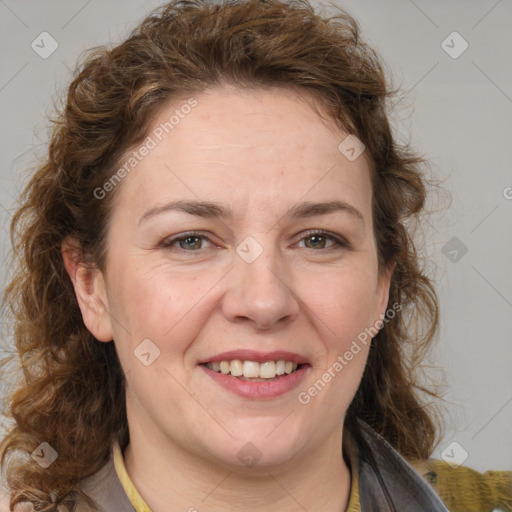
point(216, 291)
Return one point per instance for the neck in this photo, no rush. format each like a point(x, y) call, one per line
point(169, 477)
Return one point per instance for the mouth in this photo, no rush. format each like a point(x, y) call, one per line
point(253, 371)
point(253, 375)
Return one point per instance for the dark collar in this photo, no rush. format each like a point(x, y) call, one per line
point(387, 483)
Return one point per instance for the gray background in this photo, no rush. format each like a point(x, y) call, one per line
point(457, 111)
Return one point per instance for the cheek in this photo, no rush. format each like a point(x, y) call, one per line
point(162, 305)
point(170, 307)
point(342, 308)
point(343, 303)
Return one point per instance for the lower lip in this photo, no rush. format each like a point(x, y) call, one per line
point(259, 389)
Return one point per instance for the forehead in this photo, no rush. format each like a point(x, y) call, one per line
point(245, 147)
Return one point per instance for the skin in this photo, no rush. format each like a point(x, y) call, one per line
point(258, 152)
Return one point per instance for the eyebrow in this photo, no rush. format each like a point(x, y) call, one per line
point(207, 209)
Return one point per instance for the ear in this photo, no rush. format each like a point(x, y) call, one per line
point(383, 285)
point(90, 291)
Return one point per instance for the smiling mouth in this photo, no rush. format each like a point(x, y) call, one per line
point(254, 371)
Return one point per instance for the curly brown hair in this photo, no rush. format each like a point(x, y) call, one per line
point(70, 388)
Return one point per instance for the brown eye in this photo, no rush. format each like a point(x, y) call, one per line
point(321, 240)
point(191, 242)
point(316, 241)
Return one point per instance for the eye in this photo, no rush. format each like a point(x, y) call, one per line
point(318, 239)
point(190, 242)
point(314, 239)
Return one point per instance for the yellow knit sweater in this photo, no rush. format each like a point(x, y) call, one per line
point(466, 490)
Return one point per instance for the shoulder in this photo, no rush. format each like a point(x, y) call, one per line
point(464, 489)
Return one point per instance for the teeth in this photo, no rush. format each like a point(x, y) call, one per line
point(268, 370)
point(236, 368)
point(224, 367)
point(253, 369)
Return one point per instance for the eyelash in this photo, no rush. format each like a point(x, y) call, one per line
point(340, 242)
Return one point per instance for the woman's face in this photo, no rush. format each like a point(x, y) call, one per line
point(255, 176)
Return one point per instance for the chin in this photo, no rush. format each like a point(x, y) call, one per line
point(258, 451)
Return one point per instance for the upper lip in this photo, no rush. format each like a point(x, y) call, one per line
point(254, 355)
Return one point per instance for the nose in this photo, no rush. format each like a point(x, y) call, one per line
point(260, 293)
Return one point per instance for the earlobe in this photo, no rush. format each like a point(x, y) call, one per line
point(90, 292)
